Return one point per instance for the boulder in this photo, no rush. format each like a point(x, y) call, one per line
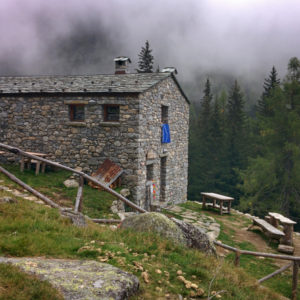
point(71, 183)
point(80, 279)
point(117, 206)
point(173, 229)
point(155, 222)
point(125, 192)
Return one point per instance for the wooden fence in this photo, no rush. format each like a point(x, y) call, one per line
point(82, 176)
point(295, 260)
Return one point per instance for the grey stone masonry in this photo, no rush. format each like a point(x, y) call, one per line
point(35, 116)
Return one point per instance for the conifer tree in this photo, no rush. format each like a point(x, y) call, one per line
point(145, 59)
point(270, 84)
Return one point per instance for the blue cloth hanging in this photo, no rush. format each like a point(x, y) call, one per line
point(165, 137)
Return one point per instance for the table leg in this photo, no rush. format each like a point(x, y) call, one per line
point(288, 230)
point(214, 203)
point(43, 167)
point(29, 163)
point(221, 207)
point(22, 163)
point(229, 206)
point(203, 202)
point(37, 170)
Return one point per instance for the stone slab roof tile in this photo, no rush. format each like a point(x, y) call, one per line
point(123, 83)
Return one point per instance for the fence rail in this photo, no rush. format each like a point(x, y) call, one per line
point(295, 260)
point(82, 176)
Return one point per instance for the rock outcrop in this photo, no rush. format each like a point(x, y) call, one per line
point(173, 229)
point(80, 279)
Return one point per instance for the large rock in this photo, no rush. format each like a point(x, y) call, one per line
point(173, 229)
point(71, 183)
point(80, 279)
point(155, 222)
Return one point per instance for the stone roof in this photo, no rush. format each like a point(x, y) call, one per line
point(123, 83)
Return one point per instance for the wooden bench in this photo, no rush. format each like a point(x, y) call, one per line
point(270, 230)
point(288, 227)
point(217, 197)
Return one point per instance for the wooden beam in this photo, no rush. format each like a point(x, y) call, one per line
point(28, 188)
point(78, 203)
point(87, 177)
point(295, 280)
point(275, 273)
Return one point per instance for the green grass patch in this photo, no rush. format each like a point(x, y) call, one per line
point(16, 285)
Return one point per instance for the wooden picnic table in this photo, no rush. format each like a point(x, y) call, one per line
point(288, 227)
point(29, 160)
point(217, 197)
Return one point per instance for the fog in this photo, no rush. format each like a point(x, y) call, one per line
point(243, 38)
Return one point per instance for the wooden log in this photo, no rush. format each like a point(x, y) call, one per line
point(288, 230)
point(275, 273)
point(78, 203)
point(237, 258)
point(28, 188)
point(106, 221)
point(295, 280)
point(87, 177)
point(263, 254)
point(286, 249)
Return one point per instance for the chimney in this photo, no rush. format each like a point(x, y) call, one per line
point(121, 64)
point(169, 70)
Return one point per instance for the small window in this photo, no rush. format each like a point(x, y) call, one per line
point(111, 113)
point(164, 114)
point(76, 112)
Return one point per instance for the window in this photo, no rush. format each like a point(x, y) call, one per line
point(111, 113)
point(76, 112)
point(164, 114)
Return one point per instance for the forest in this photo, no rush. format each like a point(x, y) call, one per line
point(254, 158)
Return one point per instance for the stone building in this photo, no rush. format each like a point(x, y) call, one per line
point(82, 120)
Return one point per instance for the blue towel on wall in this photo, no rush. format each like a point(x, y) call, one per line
point(165, 137)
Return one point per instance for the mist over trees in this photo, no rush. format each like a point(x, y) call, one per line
point(254, 159)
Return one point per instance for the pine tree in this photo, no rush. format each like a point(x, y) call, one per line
point(205, 109)
point(145, 59)
point(270, 84)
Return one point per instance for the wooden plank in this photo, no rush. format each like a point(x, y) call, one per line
point(217, 196)
point(282, 219)
point(268, 227)
point(275, 273)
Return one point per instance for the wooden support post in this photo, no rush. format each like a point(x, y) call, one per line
point(22, 163)
point(203, 201)
point(214, 203)
point(237, 258)
point(221, 207)
point(295, 280)
point(78, 203)
point(274, 222)
point(229, 206)
point(37, 168)
point(43, 167)
point(288, 230)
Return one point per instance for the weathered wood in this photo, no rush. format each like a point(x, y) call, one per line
point(282, 219)
point(275, 273)
point(263, 254)
point(87, 177)
point(106, 221)
point(273, 232)
point(286, 249)
point(217, 197)
point(79, 195)
point(237, 258)
point(28, 188)
point(295, 280)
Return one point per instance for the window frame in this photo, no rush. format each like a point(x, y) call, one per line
point(106, 112)
point(73, 113)
point(164, 114)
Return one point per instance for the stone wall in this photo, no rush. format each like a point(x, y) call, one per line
point(175, 153)
point(41, 124)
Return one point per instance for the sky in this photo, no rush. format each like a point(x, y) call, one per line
point(242, 37)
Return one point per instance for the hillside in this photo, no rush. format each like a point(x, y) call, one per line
point(30, 229)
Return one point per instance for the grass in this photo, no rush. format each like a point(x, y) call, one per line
point(29, 229)
point(96, 204)
point(16, 285)
point(254, 266)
